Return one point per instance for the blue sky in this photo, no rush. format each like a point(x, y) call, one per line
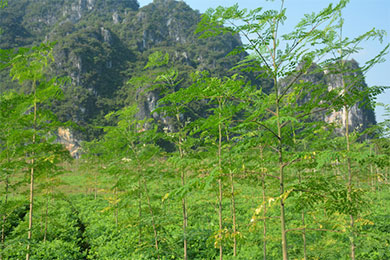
point(360, 16)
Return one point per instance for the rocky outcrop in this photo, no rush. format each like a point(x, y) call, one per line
point(65, 137)
point(328, 84)
point(360, 115)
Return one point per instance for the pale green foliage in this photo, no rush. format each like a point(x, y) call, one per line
point(29, 130)
point(3, 3)
point(157, 59)
point(386, 123)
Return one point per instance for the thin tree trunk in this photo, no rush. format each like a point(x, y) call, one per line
point(304, 229)
point(116, 206)
point(233, 205)
point(234, 215)
point(4, 218)
point(5, 203)
point(220, 218)
point(346, 111)
point(4, 215)
point(304, 236)
point(264, 203)
point(353, 247)
point(185, 256)
point(372, 175)
point(30, 216)
point(183, 201)
point(264, 219)
point(352, 221)
point(282, 210)
point(387, 175)
point(96, 184)
point(280, 138)
point(220, 186)
point(153, 222)
point(139, 211)
point(303, 212)
point(46, 214)
point(281, 179)
point(377, 174)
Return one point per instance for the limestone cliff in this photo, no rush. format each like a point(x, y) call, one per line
point(360, 115)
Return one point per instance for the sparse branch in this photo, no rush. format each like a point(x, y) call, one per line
point(256, 49)
point(314, 229)
point(290, 85)
point(267, 128)
point(270, 111)
point(291, 162)
point(265, 174)
point(296, 44)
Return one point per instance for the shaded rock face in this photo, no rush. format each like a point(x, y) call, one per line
point(66, 138)
point(27, 20)
point(75, 10)
point(360, 115)
point(175, 19)
point(171, 24)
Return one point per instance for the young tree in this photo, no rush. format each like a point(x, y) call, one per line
point(351, 92)
point(216, 128)
point(290, 57)
point(217, 132)
point(12, 124)
point(29, 68)
point(127, 151)
point(172, 106)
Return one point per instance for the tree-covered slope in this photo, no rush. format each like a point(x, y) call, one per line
point(101, 45)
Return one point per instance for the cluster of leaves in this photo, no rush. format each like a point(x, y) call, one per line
point(27, 148)
point(62, 240)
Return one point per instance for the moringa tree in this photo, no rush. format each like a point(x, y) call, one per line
point(285, 57)
point(30, 67)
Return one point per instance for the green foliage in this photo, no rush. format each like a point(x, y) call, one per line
point(3, 3)
point(253, 155)
point(63, 236)
point(29, 133)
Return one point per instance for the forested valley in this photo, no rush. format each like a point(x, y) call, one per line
point(156, 133)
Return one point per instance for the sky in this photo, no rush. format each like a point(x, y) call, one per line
point(360, 16)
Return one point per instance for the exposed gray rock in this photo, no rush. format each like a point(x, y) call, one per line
point(105, 34)
point(360, 117)
point(66, 138)
point(116, 18)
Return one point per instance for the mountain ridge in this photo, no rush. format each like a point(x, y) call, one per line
point(101, 45)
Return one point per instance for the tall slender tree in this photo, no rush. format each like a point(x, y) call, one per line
point(289, 56)
point(29, 67)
